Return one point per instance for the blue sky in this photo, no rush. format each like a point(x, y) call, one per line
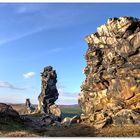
point(33, 36)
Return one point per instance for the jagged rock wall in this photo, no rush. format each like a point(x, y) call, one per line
point(112, 81)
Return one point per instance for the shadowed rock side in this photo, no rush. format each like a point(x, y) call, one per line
point(111, 90)
point(8, 114)
point(8, 111)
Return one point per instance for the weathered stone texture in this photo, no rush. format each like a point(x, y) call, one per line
point(49, 93)
point(113, 70)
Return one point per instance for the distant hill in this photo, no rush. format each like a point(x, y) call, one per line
point(70, 110)
point(75, 105)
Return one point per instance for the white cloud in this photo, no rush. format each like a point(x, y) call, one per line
point(9, 86)
point(29, 74)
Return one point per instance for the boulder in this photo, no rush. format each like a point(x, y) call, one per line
point(69, 121)
point(45, 120)
point(126, 116)
point(66, 121)
point(7, 114)
point(55, 110)
point(7, 110)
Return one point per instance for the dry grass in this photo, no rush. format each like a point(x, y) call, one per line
point(120, 131)
point(18, 134)
point(73, 131)
point(77, 131)
point(20, 108)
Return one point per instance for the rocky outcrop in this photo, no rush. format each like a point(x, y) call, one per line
point(67, 121)
point(7, 113)
point(29, 108)
point(112, 85)
point(49, 113)
point(44, 120)
point(49, 93)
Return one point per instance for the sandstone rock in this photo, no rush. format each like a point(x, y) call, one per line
point(75, 119)
point(49, 113)
point(112, 73)
point(126, 116)
point(99, 116)
point(84, 117)
point(55, 110)
point(102, 123)
point(49, 93)
point(68, 121)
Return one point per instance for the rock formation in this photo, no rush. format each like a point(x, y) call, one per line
point(8, 113)
point(49, 93)
point(111, 90)
point(49, 113)
point(29, 107)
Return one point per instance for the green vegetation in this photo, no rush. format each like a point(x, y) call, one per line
point(70, 111)
point(11, 125)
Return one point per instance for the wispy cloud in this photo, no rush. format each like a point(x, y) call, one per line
point(43, 15)
point(8, 40)
point(8, 85)
point(29, 8)
point(55, 50)
point(66, 97)
point(29, 74)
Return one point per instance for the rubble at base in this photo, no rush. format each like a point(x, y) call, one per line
point(111, 90)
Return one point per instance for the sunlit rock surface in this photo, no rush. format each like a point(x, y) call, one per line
point(111, 89)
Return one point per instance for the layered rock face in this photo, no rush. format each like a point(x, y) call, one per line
point(111, 90)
